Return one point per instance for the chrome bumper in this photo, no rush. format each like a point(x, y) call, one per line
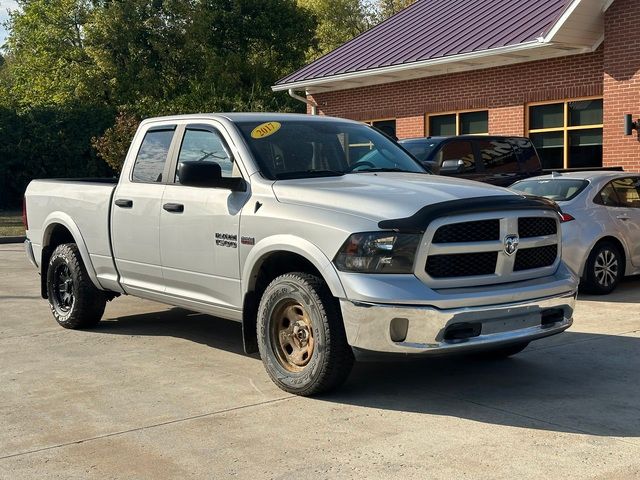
point(28, 249)
point(428, 330)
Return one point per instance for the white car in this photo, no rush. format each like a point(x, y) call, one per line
point(601, 223)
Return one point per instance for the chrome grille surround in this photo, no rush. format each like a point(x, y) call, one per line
point(505, 265)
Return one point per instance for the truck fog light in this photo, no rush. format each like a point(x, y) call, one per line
point(398, 329)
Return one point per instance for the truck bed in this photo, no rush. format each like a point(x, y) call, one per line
point(83, 207)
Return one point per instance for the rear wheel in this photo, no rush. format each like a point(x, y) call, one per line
point(301, 335)
point(74, 301)
point(603, 270)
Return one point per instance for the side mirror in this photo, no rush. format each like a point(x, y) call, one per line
point(452, 166)
point(207, 174)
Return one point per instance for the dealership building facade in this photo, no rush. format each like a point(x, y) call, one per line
point(563, 72)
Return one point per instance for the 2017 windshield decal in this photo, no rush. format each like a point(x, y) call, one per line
point(265, 129)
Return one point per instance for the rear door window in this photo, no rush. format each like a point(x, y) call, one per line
point(627, 192)
point(458, 150)
point(152, 156)
point(527, 155)
point(498, 156)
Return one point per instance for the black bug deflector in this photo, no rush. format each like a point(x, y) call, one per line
point(420, 220)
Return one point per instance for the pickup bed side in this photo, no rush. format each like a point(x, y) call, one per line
point(51, 223)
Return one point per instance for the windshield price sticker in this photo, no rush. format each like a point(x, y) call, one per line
point(265, 129)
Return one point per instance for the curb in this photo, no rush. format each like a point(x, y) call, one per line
point(5, 240)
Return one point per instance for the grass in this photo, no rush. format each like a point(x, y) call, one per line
point(11, 224)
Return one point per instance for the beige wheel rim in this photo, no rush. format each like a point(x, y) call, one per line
point(291, 334)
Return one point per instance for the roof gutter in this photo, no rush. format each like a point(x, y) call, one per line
point(311, 103)
point(406, 66)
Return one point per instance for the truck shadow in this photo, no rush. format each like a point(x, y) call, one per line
point(575, 382)
point(179, 323)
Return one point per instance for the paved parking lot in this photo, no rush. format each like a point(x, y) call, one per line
point(159, 392)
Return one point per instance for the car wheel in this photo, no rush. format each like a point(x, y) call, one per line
point(74, 301)
point(301, 336)
point(603, 270)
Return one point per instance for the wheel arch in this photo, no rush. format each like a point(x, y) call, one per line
point(616, 241)
point(59, 228)
point(274, 257)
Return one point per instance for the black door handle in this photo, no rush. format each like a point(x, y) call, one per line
point(122, 203)
point(173, 207)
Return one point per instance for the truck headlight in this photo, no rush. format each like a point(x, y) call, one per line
point(378, 252)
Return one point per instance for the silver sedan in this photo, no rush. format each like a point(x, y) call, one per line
point(601, 224)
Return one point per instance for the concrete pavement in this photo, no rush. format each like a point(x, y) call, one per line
point(159, 392)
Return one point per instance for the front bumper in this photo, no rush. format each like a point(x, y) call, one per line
point(386, 328)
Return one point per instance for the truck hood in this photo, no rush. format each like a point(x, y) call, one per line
point(380, 196)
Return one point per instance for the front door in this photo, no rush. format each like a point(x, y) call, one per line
point(199, 226)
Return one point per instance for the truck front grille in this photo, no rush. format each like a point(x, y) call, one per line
point(478, 249)
point(462, 265)
point(530, 258)
point(480, 231)
point(529, 227)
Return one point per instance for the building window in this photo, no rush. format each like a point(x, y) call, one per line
point(387, 126)
point(458, 123)
point(567, 134)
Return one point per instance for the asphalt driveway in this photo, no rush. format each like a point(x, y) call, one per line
point(159, 392)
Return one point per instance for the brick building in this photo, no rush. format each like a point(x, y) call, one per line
point(563, 72)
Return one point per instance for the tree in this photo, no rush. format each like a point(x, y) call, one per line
point(387, 8)
point(338, 22)
point(49, 63)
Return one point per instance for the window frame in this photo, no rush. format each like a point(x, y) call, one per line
point(170, 154)
point(565, 129)
point(457, 113)
point(200, 125)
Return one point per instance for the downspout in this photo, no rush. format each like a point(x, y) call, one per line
point(311, 103)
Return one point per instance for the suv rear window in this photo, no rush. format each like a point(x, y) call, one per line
point(560, 190)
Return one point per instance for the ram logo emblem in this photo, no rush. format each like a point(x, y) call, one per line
point(511, 243)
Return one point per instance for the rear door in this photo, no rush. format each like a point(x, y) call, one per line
point(135, 217)
point(527, 156)
point(627, 214)
point(199, 226)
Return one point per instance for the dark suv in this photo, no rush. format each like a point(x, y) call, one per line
point(490, 159)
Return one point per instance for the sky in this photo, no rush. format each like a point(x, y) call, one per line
point(5, 5)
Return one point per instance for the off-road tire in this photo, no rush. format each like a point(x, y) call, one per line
point(592, 282)
point(87, 302)
point(332, 358)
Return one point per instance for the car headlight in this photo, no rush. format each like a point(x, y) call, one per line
point(378, 252)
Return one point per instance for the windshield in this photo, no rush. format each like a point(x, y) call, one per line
point(554, 189)
point(304, 149)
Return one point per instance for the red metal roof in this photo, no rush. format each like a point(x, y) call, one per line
point(432, 29)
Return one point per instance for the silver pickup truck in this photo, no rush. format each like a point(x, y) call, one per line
point(322, 236)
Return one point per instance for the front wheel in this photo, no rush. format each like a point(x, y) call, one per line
point(74, 301)
point(301, 336)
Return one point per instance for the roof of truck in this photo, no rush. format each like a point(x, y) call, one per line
point(245, 117)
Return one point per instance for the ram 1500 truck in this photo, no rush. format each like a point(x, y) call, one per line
point(326, 239)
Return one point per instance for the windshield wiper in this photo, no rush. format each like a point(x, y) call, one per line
point(309, 174)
